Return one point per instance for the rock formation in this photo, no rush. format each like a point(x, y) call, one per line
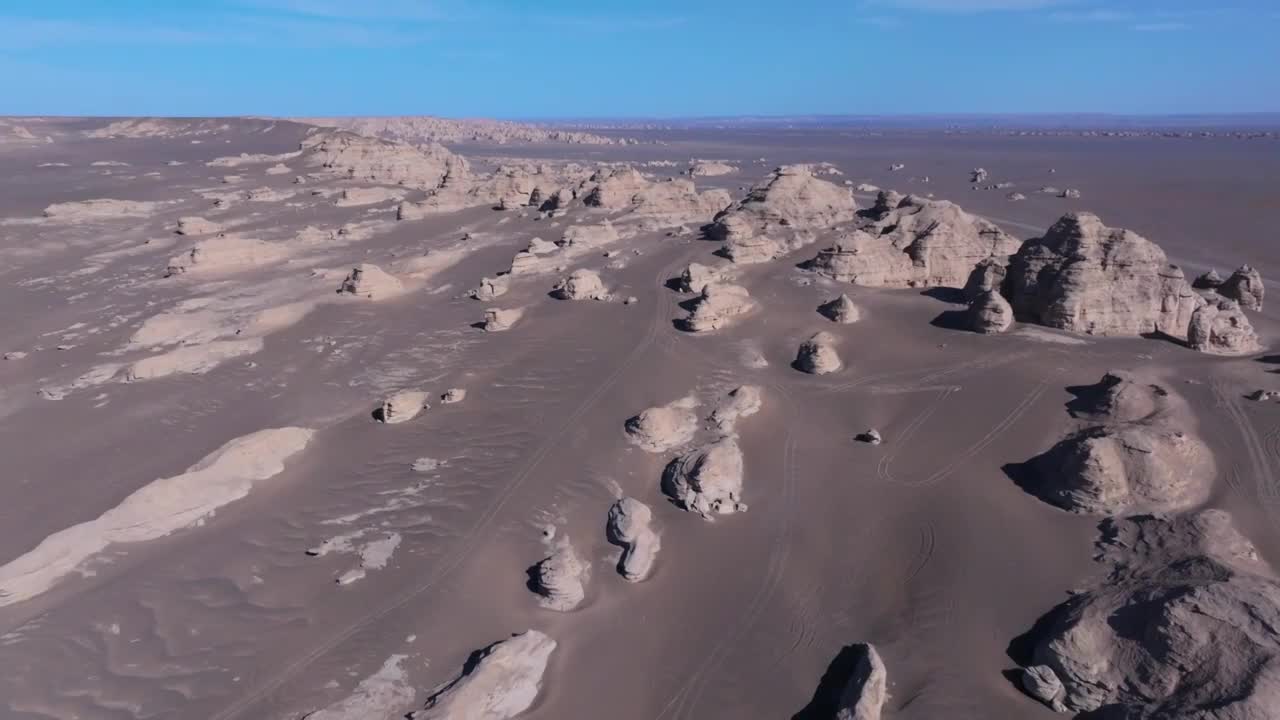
point(817, 355)
point(710, 168)
point(498, 320)
point(918, 243)
point(665, 427)
point(503, 681)
point(697, 276)
point(226, 254)
point(990, 313)
point(368, 159)
point(559, 579)
point(453, 395)
point(986, 276)
point(581, 285)
point(677, 202)
point(791, 200)
point(863, 698)
point(1183, 627)
point(1122, 397)
point(717, 306)
point(741, 402)
point(1085, 277)
point(490, 288)
point(1221, 328)
point(588, 236)
point(402, 407)
point(841, 310)
point(1210, 280)
point(707, 480)
point(614, 188)
point(631, 526)
point(1245, 287)
point(370, 281)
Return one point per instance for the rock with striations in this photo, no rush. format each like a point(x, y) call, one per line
point(817, 355)
point(697, 276)
point(920, 243)
point(741, 402)
point(1221, 328)
point(501, 682)
point(1122, 397)
point(986, 276)
point(841, 310)
point(792, 199)
point(631, 526)
point(614, 188)
point(707, 480)
point(718, 305)
point(581, 285)
point(559, 579)
point(990, 314)
point(357, 157)
point(588, 236)
point(676, 202)
point(370, 281)
point(1184, 626)
point(1245, 287)
point(864, 695)
point(499, 320)
point(1085, 277)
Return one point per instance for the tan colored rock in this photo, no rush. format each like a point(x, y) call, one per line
point(503, 682)
point(226, 253)
point(369, 159)
point(990, 314)
point(1221, 328)
point(499, 320)
point(192, 225)
point(614, 188)
point(490, 288)
point(402, 407)
point(707, 480)
point(818, 356)
point(589, 236)
point(559, 579)
point(581, 285)
point(717, 306)
point(630, 525)
point(865, 694)
point(986, 276)
point(697, 276)
point(841, 310)
point(790, 200)
point(1245, 287)
point(665, 427)
point(710, 168)
point(370, 281)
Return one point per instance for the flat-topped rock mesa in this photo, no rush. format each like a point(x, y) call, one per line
point(1221, 328)
point(1139, 459)
point(357, 157)
point(1085, 277)
point(370, 281)
point(707, 480)
point(192, 225)
point(402, 407)
point(818, 355)
point(499, 320)
point(559, 579)
point(990, 313)
point(917, 243)
point(717, 306)
point(581, 285)
point(630, 525)
point(786, 208)
point(841, 310)
point(498, 683)
point(676, 202)
point(665, 427)
point(226, 254)
point(1245, 287)
point(1183, 627)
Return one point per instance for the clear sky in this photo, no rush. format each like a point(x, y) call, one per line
point(647, 58)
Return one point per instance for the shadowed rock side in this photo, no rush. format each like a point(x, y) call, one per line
point(707, 480)
point(631, 527)
point(1085, 277)
point(916, 243)
point(362, 158)
point(370, 281)
point(841, 310)
point(864, 696)
point(781, 214)
point(560, 578)
point(986, 276)
point(499, 320)
point(1134, 461)
point(497, 683)
point(402, 407)
point(1184, 627)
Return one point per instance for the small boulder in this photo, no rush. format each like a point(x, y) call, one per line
point(707, 480)
point(581, 285)
point(453, 395)
point(631, 526)
point(402, 407)
point(664, 428)
point(490, 288)
point(990, 314)
point(841, 310)
point(370, 281)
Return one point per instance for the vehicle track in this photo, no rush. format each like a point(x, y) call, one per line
point(245, 702)
point(1264, 479)
point(900, 440)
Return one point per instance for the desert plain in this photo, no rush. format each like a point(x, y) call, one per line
point(487, 421)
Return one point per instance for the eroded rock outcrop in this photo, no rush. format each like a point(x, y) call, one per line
point(707, 480)
point(498, 320)
point(917, 243)
point(1085, 277)
point(717, 307)
point(986, 276)
point(864, 696)
point(491, 287)
point(1210, 280)
point(589, 236)
point(581, 285)
point(817, 355)
point(503, 682)
point(741, 402)
point(226, 254)
point(841, 310)
point(665, 427)
point(370, 281)
point(1245, 287)
point(560, 578)
point(631, 526)
point(790, 202)
point(357, 157)
point(1183, 627)
point(1221, 328)
point(697, 276)
point(402, 407)
point(990, 313)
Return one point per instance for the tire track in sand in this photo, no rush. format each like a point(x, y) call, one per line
point(1264, 479)
point(662, 308)
point(900, 440)
point(685, 701)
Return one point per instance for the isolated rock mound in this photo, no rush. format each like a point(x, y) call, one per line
point(717, 306)
point(990, 313)
point(559, 579)
point(1121, 397)
point(581, 285)
point(226, 254)
point(1186, 628)
point(741, 402)
point(664, 428)
point(790, 200)
point(1085, 277)
point(917, 243)
point(631, 526)
point(817, 355)
point(863, 698)
point(710, 168)
point(357, 157)
point(503, 681)
point(491, 287)
point(402, 407)
point(841, 310)
point(370, 281)
point(707, 480)
point(986, 276)
point(1221, 328)
point(1245, 287)
point(697, 276)
point(499, 320)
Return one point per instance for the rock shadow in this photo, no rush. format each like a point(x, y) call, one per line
point(1157, 335)
point(953, 296)
point(952, 320)
point(825, 702)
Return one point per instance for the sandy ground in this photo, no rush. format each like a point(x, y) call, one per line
point(921, 545)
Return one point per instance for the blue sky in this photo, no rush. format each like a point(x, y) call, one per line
point(574, 58)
